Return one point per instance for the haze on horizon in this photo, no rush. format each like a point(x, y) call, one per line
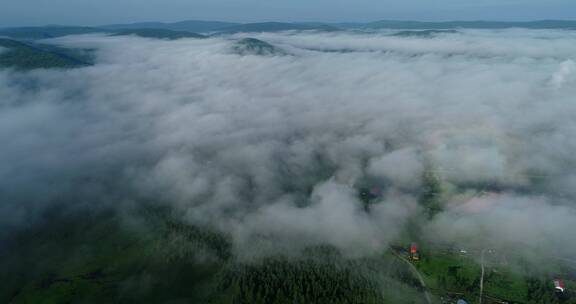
point(90, 12)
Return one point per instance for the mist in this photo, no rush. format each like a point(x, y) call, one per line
point(271, 150)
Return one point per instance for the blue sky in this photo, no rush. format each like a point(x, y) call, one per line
point(93, 12)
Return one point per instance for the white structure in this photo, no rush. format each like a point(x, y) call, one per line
point(559, 285)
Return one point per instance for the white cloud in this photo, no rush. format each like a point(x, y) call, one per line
point(272, 145)
point(403, 168)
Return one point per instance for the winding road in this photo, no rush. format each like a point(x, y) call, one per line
point(482, 277)
point(419, 276)
point(423, 284)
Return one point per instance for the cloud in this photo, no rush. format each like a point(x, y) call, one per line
point(335, 216)
point(403, 168)
point(562, 75)
point(534, 225)
point(271, 149)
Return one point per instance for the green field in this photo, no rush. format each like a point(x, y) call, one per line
point(455, 274)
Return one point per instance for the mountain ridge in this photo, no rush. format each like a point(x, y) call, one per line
point(201, 26)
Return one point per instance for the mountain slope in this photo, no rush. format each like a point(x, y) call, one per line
point(251, 46)
point(159, 34)
point(423, 33)
point(188, 25)
point(25, 56)
point(276, 27)
point(99, 257)
point(542, 24)
point(42, 32)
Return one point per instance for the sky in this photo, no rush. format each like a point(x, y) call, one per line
point(96, 12)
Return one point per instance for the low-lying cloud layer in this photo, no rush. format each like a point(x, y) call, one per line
point(272, 149)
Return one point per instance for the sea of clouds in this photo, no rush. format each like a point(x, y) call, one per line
point(272, 149)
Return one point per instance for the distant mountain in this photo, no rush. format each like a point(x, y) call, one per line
point(348, 25)
point(138, 25)
point(159, 33)
point(193, 26)
point(25, 56)
point(276, 27)
point(251, 46)
point(543, 24)
point(189, 26)
point(42, 32)
point(423, 33)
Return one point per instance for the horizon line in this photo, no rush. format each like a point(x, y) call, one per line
point(281, 21)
